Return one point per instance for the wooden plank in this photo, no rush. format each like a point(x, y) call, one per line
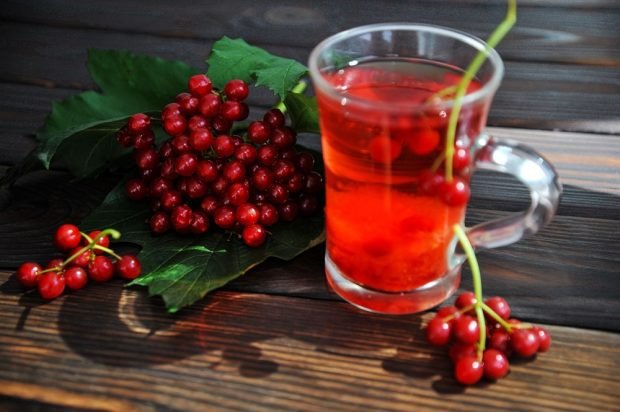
point(565, 35)
point(239, 351)
point(539, 96)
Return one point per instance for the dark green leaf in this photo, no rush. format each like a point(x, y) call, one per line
point(129, 84)
point(303, 112)
point(182, 269)
point(235, 59)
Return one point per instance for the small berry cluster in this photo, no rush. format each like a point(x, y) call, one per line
point(505, 337)
point(85, 260)
point(204, 175)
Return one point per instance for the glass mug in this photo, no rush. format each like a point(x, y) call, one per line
point(384, 99)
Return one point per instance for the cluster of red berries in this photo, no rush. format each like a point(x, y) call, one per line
point(505, 337)
point(85, 260)
point(204, 175)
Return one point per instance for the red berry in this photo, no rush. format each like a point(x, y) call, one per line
point(55, 264)
point(455, 192)
point(495, 364)
point(268, 214)
point(288, 211)
point(283, 137)
point(128, 267)
point(209, 204)
point(224, 146)
point(125, 138)
point(158, 186)
point(544, 338)
point(76, 277)
point(305, 162)
point(146, 158)
point(448, 313)
point(27, 274)
point(500, 340)
point(308, 204)
point(136, 189)
point(138, 123)
point(461, 159)
point(460, 350)
point(186, 164)
point(198, 122)
point(423, 141)
point(274, 118)
point(525, 342)
point(171, 199)
point(180, 144)
point(254, 235)
point(499, 306)
point(67, 237)
point(267, 155)
point(246, 154)
point(199, 85)
point(207, 170)
point(187, 103)
point(247, 214)
point(221, 124)
point(181, 217)
point(468, 370)
point(104, 241)
point(144, 140)
point(296, 183)
point(278, 194)
point(238, 193)
point(219, 186)
point(83, 259)
point(101, 269)
point(199, 224)
point(234, 110)
point(175, 125)
point(438, 332)
point(384, 150)
point(224, 217)
point(195, 188)
point(466, 329)
point(430, 182)
point(314, 183)
point(160, 223)
point(201, 139)
point(51, 285)
point(259, 132)
point(209, 105)
point(465, 300)
point(236, 90)
point(171, 110)
point(234, 171)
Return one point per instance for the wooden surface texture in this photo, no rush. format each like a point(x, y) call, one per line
point(277, 338)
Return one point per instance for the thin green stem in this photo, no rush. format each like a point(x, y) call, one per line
point(92, 244)
point(477, 283)
point(496, 317)
point(107, 250)
point(300, 87)
point(498, 34)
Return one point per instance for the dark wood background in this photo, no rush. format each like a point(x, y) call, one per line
point(277, 338)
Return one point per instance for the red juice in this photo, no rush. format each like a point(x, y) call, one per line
point(389, 228)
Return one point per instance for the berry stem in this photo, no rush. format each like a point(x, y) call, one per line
point(92, 244)
point(497, 318)
point(477, 283)
point(300, 87)
point(498, 34)
point(108, 251)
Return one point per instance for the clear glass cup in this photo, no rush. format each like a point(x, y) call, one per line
point(385, 93)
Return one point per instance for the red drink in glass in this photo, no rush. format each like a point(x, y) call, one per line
point(387, 230)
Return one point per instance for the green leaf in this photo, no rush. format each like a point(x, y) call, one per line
point(235, 59)
point(183, 269)
point(304, 112)
point(129, 83)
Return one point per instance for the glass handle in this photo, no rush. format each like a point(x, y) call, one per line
point(536, 173)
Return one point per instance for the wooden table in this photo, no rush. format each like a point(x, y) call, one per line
point(277, 339)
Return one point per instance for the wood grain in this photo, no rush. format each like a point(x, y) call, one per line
point(559, 36)
point(238, 351)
